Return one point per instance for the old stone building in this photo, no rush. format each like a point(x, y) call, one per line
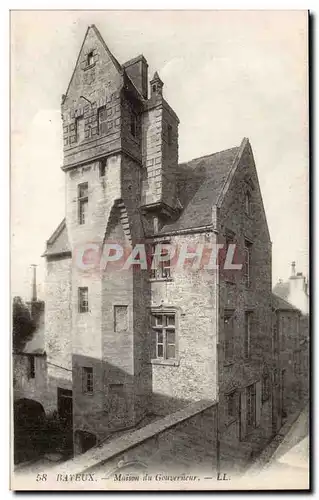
point(125, 344)
point(291, 328)
point(295, 290)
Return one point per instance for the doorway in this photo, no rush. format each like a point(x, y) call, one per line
point(65, 406)
point(83, 441)
point(65, 412)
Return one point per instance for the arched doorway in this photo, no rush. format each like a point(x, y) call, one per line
point(29, 424)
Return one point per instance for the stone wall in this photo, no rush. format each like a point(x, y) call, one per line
point(191, 293)
point(240, 371)
point(183, 442)
point(26, 387)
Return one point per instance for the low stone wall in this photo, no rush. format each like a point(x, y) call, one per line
point(183, 442)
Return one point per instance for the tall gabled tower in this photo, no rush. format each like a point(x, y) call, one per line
point(102, 115)
point(120, 160)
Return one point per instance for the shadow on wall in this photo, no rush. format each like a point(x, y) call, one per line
point(108, 400)
point(29, 425)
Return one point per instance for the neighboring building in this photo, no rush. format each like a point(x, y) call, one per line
point(295, 290)
point(288, 363)
point(123, 345)
point(29, 363)
point(294, 295)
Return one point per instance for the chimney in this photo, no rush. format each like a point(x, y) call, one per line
point(34, 283)
point(156, 86)
point(293, 268)
point(137, 70)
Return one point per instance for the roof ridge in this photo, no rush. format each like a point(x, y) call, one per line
point(208, 155)
point(291, 306)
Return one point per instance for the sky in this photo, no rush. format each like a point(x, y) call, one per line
point(227, 75)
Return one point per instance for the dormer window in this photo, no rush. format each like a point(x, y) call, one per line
point(90, 58)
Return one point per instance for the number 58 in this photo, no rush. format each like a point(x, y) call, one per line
point(41, 477)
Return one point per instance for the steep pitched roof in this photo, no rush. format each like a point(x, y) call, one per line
point(58, 243)
point(281, 289)
point(112, 57)
point(283, 305)
point(199, 184)
point(115, 61)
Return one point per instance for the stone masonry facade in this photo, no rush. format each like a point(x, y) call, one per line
point(130, 344)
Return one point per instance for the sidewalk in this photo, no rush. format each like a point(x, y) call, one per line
point(284, 464)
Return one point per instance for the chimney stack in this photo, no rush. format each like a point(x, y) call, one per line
point(293, 268)
point(34, 284)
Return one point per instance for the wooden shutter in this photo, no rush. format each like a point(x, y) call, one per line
point(243, 414)
point(258, 403)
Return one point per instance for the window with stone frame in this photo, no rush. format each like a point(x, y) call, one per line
point(87, 379)
point(275, 335)
point(265, 393)
point(31, 366)
point(232, 405)
point(164, 335)
point(133, 124)
point(103, 167)
point(120, 318)
point(228, 336)
point(169, 134)
point(83, 202)
point(83, 299)
point(102, 127)
point(90, 58)
point(79, 129)
point(247, 334)
point(159, 269)
point(251, 406)
point(248, 203)
point(229, 240)
point(247, 263)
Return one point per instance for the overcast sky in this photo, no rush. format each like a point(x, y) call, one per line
point(228, 75)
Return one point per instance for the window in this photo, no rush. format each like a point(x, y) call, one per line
point(83, 299)
point(169, 134)
point(31, 366)
point(90, 58)
point(229, 240)
point(164, 333)
point(133, 124)
point(228, 335)
point(275, 336)
point(231, 405)
point(120, 318)
point(83, 202)
point(154, 88)
point(251, 406)
point(102, 168)
point(248, 203)
point(87, 379)
point(265, 388)
point(159, 269)
point(79, 127)
point(248, 320)
point(247, 263)
point(102, 121)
